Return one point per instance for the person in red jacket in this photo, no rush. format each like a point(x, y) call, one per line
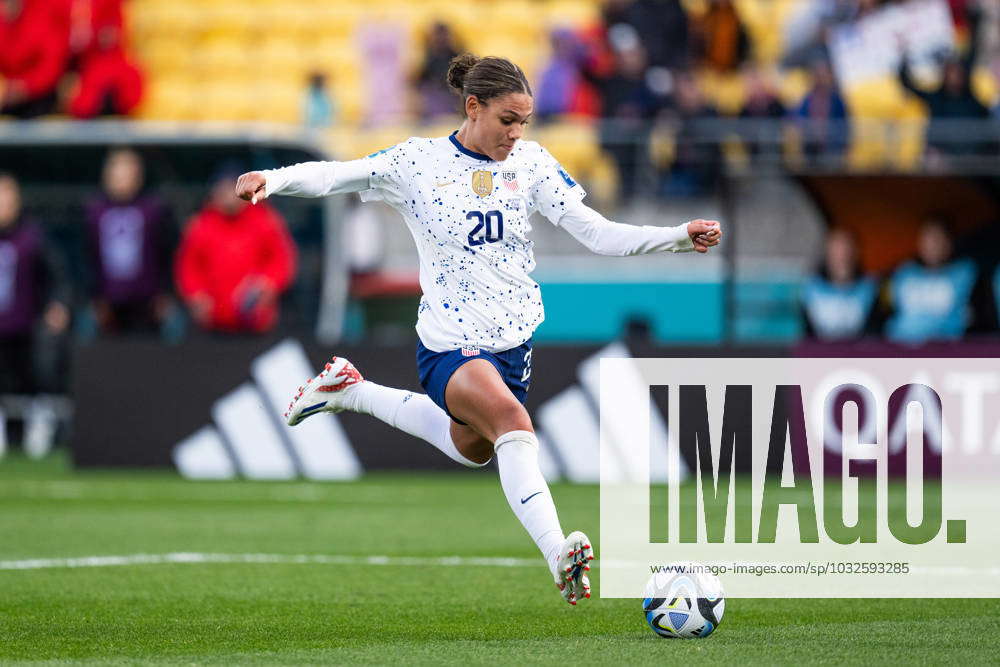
point(234, 261)
point(109, 82)
point(34, 49)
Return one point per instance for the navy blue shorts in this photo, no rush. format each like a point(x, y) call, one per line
point(436, 368)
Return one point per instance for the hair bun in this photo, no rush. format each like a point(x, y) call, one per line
point(458, 68)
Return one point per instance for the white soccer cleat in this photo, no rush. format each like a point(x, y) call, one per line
point(325, 392)
point(574, 563)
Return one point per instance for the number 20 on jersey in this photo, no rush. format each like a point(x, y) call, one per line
point(488, 228)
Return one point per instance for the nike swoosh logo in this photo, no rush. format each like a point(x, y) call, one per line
point(441, 185)
point(524, 500)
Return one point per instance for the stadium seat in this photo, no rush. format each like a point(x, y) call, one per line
point(201, 43)
point(763, 20)
point(725, 91)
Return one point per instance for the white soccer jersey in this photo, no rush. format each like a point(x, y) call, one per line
point(469, 217)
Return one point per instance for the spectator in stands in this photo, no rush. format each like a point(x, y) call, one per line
point(130, 237)
point(762, 104)
point(807, 30)
point(697, 157)
point(34, 48)
point(234, 261)
point(34, 295)
point(661, 25)
point(822, 115)
point(561, 79)
point(720, 40)
point(109, 82)
point(88, 19)
point(382, 45)
point(319, 110)
point(839, 302)
point(930, 295)
point(435, 97)
point(953, 100)
point(629, 106)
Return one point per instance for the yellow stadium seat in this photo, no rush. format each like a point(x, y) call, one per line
point(575, 145)
point(221, 58)
point(985, 86)
point(793, 86)
point(568, 12)
point(228, 101)
point(888, 127)
point(280, 103)
point(335, 20)
point(168, 99)
point(165, 57)
point(725, 91)
point(763, 20)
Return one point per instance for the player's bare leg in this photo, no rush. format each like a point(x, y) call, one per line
point(477, 395)
point(340, 386)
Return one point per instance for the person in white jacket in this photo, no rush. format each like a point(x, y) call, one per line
point(466, 199)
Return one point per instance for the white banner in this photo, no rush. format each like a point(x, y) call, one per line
point(856, 477)
point(873, 47)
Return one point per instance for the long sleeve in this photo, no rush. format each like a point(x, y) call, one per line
point(605, 237)
point(375, 176)
point(319, 179)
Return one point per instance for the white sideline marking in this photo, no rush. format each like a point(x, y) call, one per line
point(311, 559)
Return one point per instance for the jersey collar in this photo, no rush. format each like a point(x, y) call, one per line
point(463, 149)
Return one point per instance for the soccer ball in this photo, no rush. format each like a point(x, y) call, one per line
point(684, 601)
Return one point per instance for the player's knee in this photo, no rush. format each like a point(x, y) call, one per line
point(511, 416)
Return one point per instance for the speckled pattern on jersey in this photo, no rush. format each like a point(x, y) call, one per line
point(469, 217)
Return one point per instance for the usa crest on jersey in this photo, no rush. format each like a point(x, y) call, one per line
point(509, 180)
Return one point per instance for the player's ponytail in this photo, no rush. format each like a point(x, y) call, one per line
point(485, 78)
point(458, 69)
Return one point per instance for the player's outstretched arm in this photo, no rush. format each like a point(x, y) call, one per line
point(605, 237)
point(307, 179)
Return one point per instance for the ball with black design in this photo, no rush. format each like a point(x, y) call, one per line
point(683, 601)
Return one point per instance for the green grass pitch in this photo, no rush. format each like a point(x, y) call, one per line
point(361, 612)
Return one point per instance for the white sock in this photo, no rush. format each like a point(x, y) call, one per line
point(415, 414)
point(527, 493)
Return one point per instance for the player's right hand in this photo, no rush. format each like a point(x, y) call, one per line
point(251, 187)
point(704, 234)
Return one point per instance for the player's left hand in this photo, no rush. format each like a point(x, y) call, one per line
point(704, 234)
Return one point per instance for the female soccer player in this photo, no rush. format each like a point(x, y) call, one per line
point(466, 199)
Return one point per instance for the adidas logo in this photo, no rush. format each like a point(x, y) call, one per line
point(248, 438)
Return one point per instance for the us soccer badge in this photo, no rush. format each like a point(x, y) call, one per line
point(509, 179)
point(482, 183)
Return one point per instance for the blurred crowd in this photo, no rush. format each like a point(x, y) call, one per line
point(66, 56)
point(225, 272)
point(646, 65)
